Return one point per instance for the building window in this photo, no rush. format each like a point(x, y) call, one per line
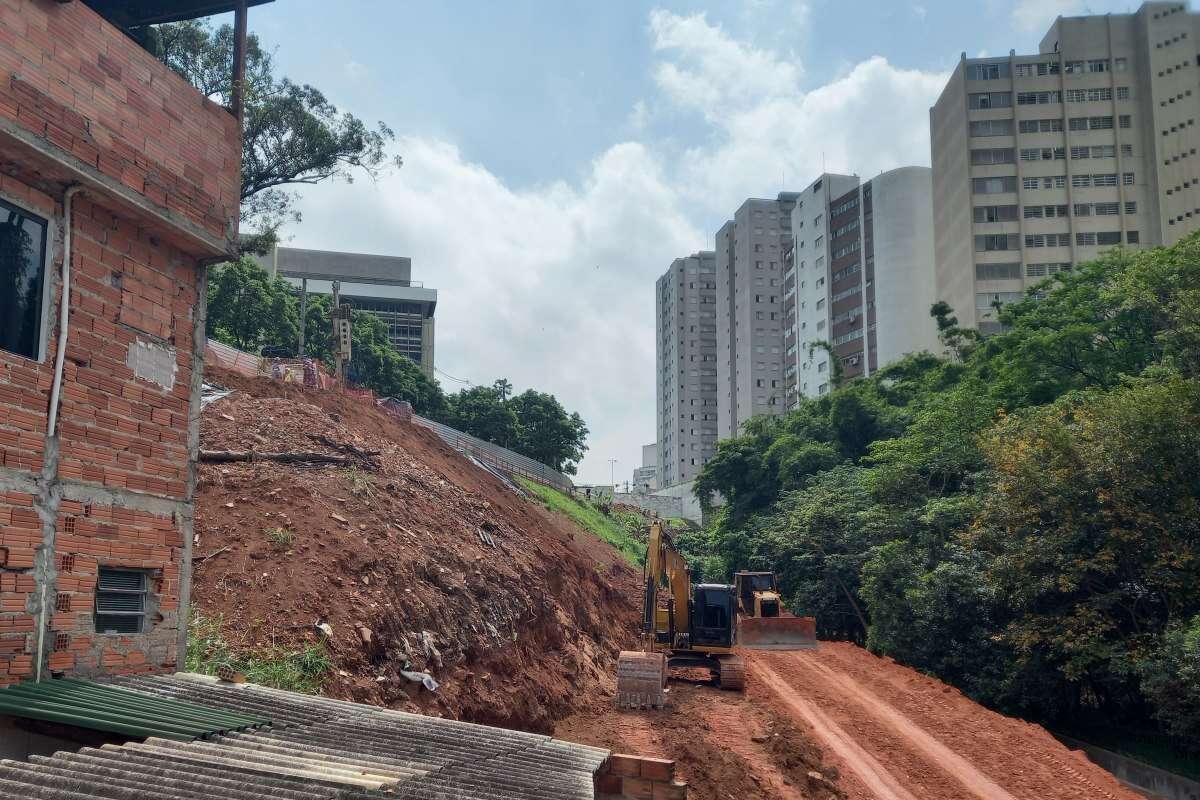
point(22, 281)
point(1038, 98)
point(995, 213)
point(997, 272)
point(1125, 121)
point(1132, 237)
point(990, 99)
point(979, 127)
point(1122, 92)
point(120, 600)
point(1131, 207)
point(1108, 238)
point(987, 72)
point(1041, 125)
point(1003, 241)
point(991, 299)
point(994, 185)
point(1120, 64)
point(1127, 179)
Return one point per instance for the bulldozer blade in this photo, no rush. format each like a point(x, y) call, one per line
point(777, 633)
point(641, 680)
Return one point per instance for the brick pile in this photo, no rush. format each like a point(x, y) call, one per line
point(638, 778)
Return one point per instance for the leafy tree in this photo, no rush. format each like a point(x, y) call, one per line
point(481, 411)
point(547, 432)
point(374, 362)
point(248, 309)
point(291, 133)
point(1170, 679)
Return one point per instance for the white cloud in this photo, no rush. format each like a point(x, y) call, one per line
point(552, 286)
point(873, 117)
point(1035, 15)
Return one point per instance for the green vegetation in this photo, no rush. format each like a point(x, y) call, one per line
point(1020, 518)
point(591, 519)
point(280, 538)
point(296, 670)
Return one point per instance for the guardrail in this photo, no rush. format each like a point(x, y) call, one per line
point(496, 456)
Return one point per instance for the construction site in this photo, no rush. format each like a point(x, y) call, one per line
point(421, 561)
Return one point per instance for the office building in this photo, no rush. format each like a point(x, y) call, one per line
point(379, 285)
point(686, 367)
point(858, 277)
point(645, 477)
point(749, 265)
point(1043, 161)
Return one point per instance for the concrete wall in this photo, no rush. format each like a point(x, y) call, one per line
point(904, 266)
point(660, 505)
point(689, 506)
point(82, 105)
point(1153, 781)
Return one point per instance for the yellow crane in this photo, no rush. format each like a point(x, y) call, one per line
point(685, 626)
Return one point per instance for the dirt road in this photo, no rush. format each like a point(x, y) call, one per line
point(895, 734)
point(885, 732)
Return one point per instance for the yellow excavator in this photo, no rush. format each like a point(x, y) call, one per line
point(684, 626)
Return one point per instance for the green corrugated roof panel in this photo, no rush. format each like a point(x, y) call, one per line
point(84, 704)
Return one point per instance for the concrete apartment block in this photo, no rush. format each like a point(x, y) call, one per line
point(379, 285)
point(858, 275)
point(108, 154)
point(686, 367)
point(1043, 161)
point(645, 477)
point(749, 262)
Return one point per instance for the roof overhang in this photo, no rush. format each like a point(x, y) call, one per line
point(135, 13)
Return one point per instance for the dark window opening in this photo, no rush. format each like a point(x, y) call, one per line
point(120, 601)
point(22, 280)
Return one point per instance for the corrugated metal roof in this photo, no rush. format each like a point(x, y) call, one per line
point(315, 748)
point(95, 706)
point(132, 13)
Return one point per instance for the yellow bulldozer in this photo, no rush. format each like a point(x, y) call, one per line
point(764, 623)
point(686, 626)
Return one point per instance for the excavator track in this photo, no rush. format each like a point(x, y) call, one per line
point(733, 673)
point(641, 680)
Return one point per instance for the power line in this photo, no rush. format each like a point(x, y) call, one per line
point(451, 377)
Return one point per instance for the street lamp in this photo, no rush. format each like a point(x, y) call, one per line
point(612, 473)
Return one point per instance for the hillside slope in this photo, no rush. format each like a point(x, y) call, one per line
point(416, 558)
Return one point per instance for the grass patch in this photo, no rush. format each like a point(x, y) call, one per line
point(296, 670)
point(591, 519)
point(280, 538)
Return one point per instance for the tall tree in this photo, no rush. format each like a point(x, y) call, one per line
point(547, 432)
point(292, 134)
point(249, 309)
point(482, 412)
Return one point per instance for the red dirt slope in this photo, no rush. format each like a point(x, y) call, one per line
point(427, 561)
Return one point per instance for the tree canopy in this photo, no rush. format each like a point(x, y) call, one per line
point(292, 134)
point(1020, 517)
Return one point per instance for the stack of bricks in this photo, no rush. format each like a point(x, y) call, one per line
point(158, 164)
point(638, 778)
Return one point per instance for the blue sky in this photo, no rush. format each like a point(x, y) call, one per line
point(558, 155)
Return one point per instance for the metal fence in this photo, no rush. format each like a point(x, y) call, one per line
point(496, 456)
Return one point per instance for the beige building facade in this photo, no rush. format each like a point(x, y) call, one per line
point(1041, 162)
point(685, 368)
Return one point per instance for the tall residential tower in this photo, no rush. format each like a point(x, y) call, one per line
point(686, 367)
point(1042, 161)
point(858, 277)
point(749, 264)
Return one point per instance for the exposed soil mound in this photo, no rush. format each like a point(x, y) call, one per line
point(417, 559)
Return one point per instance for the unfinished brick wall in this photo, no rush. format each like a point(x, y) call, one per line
point(72, 78)
point(625, 777)
point(82, 105)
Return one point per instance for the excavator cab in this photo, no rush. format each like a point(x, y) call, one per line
point(713, 615)
point(757, 594)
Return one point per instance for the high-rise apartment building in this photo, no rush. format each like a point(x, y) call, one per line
point(1042, 161)
point(858, 277)
point(686, 367)
point(749, 264)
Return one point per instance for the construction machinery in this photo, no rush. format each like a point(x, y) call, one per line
point(697, 626)
point(763, 621)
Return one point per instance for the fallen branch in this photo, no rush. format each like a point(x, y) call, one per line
point(368, 456)
point(226, 456)
point(213, 554)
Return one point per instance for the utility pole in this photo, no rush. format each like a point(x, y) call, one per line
point(341, 332)
point(612, 473)
point(303, 311)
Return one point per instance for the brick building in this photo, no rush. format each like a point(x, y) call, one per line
point(118, 179)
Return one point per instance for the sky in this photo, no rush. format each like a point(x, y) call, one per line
point(559, 154)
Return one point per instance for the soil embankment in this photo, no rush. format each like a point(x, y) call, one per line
point(415, 557)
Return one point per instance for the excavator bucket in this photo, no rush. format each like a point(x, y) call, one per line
point(777, 633)
point(641, 680)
